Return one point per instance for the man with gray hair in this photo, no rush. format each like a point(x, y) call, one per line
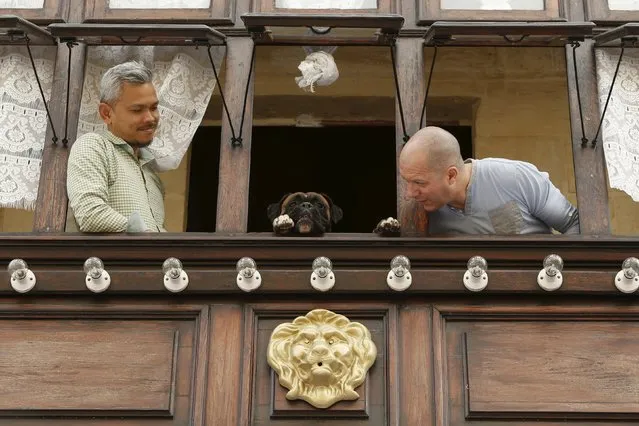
point(486, 196)
point(111, 184)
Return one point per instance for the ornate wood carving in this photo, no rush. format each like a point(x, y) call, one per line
point(269, 408)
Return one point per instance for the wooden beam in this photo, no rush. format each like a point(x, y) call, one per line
point(301, 40)
point(628, 33)
point(15, 30)
point(416, 365)
point(344, 110)
point(412, 86)
point(51, 205)
point(506, 33)
point(387, 23)
point(235, 161)
point(52, 202)
point(100, 34)
point(224, 370)
point(589, 162)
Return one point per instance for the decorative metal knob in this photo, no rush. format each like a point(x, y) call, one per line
point(248, 277)
point(399, 277)
point(175, 278)
point(22, 278)
point(322, 278)
point(627, 280)
point(97, 279)
point(550, 277)
point(476, 277)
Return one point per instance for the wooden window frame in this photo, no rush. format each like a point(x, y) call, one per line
point(385, 28)
point(430, 11)
point(268, 6)
point(442, 33)
point(53, 11)
point(17, 30)
point(219, 13)
point(598, 11)
point(142, 34)
point(624, 34)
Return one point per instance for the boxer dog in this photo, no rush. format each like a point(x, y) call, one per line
point(304, 213)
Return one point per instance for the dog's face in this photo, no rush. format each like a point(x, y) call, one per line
point(311, 212)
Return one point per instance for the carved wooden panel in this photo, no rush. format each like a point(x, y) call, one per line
point(612, 11)
point(210, 12)
point(37, 11)
point(115, 367)
point(269, 404)
point(490, 10)
point(550, 364)
point(124, 364)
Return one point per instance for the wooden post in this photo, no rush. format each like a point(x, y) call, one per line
point(51, 205)
point(589, 163)
point(412, 86)
point(235, 161)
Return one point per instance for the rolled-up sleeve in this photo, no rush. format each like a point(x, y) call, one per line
point(88, 185)
point(545, 201)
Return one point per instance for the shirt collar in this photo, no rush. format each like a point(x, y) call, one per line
point(146, 155)
point(469, 194)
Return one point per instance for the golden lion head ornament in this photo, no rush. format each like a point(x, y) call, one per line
point(321, 357)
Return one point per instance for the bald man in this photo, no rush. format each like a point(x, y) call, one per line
point(487, 196)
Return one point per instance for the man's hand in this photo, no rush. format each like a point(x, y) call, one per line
point(388, 227)
point(136, 224)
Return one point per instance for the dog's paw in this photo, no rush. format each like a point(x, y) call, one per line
point(388, 227)
point(283, 224)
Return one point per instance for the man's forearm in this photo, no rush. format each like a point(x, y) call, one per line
point(99, 217)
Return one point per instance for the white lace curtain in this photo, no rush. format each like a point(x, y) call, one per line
point(23, 122)
point(620, 128)
point(184, 81)
point(183, 78)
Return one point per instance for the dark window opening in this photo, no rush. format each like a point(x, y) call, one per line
point(203, 180)
point(464, 135)
point(353, 165)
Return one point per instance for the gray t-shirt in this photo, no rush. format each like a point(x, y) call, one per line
point(507, 197)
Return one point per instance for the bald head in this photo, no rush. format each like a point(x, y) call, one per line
point(434, 147)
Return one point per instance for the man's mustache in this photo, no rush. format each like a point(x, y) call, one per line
point(153, 126)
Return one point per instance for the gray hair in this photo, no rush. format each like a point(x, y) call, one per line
point(128, 72)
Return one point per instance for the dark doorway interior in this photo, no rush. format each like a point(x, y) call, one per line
point(203, 180)
point(354, 165)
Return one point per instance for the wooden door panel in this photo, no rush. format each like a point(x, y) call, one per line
point(129, 366)
point(575, 368)
point(530, 368)
point(112, 366)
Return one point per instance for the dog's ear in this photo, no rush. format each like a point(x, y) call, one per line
point(336, 212)
point(273, 210)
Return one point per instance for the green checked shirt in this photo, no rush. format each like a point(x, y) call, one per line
point(106, 183)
